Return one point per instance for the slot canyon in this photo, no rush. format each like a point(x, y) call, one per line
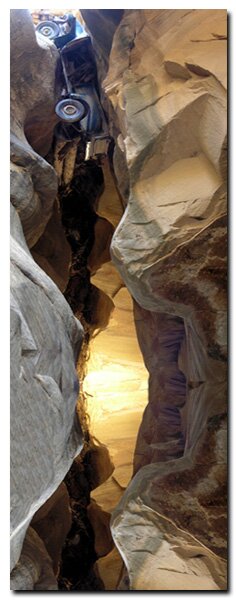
point(119, 308)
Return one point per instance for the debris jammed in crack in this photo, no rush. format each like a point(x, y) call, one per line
point(78, 202)
point(78, 555)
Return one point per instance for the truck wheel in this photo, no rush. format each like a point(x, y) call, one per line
point(70, 110)
point(49, 29)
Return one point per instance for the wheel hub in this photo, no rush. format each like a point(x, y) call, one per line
point(69, 109)
point(46, 31)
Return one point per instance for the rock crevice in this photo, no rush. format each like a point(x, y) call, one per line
point(157, 208)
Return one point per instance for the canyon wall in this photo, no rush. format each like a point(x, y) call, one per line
point(167, 86)
point(164, 90)
point(45, 336)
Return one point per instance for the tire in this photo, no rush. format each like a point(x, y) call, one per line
point(70, 110)
point(48, 29)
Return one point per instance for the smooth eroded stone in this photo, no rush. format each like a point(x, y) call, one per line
point(34, 569)
point(167, 85)
point(45, 432)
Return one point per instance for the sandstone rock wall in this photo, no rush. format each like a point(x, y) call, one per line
point(34, 183)
point(45, 341)
point(34, 90)
point(167, 86)
point(45, 336)
point(33, 180)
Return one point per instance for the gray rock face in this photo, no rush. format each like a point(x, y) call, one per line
point(33, 87)
point(52, 251)
point(33, 188)
point(102, 23)
point(45, 433)
point(45, 336)
point(33, 97)
point(34, 570)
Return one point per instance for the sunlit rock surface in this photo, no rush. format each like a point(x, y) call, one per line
point(159, 555)
point(166, 82)
point(116, 385)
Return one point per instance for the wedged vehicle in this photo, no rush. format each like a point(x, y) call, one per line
point(79, 110)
